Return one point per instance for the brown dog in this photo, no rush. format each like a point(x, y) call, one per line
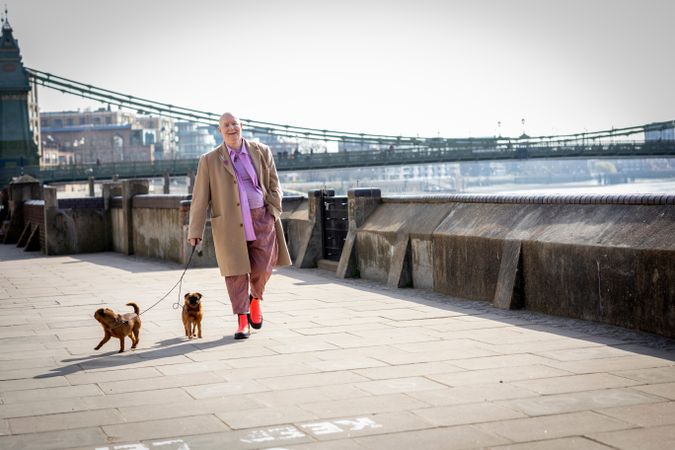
point(192, 314)
point(119, 325)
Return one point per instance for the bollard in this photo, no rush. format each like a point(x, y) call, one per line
point(191, 181)
point(91, 187)
point(362, 203)
point(167, 183)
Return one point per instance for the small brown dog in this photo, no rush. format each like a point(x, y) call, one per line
point(192, 314)
point(119, 325)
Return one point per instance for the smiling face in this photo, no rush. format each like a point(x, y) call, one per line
point(230, 128)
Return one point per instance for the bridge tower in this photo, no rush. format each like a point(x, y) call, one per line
point(19, 118)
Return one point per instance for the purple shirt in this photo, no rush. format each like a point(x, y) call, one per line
point(250, 193)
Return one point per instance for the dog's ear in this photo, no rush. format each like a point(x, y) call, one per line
point(185, 297)
point(100, 312)
point(199, 295)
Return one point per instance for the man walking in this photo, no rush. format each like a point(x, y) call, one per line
point(239, 181)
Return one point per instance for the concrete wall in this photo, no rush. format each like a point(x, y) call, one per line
point(76, 226)
point(295, 219)
point(117, 228)
point(157, 227)
point(389, 226)
point(602, 258)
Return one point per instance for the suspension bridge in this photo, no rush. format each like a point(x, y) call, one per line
point(628, 142)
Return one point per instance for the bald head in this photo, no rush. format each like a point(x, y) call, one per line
point(227, 116)
point(230, 128)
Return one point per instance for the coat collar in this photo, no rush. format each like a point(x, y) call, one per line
point(225, 159)
point(253, 153)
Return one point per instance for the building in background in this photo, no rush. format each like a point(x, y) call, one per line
point(19, 124)
point(52, 155)
point(162, 132)
point(194, 139)
point(105, 136)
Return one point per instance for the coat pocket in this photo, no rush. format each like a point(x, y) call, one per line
point(217, 231)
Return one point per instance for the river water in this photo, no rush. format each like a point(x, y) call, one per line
point(575, 176)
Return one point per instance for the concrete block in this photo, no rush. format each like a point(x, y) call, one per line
point(309, 247)
point(509, 292)
point(130, 188)
point(400, 271)
point(361, 203)
point(347, 267)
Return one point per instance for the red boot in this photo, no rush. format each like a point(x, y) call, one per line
point(243, 332)
point(255, 317)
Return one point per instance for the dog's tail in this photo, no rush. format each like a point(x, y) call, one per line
point(137, 310)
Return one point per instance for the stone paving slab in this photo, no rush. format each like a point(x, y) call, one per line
point(339, 364)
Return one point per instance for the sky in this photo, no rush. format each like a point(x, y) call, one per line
point(424, 67)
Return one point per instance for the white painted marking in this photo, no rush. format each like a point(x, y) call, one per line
point(322, 428)
point(272, 434)
point(183, 444)
point(289, 432)
point(257, 436)
point(317, 428)
point(358, 424)
point(138, 446)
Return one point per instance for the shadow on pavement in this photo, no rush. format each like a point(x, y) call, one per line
point(163, 349)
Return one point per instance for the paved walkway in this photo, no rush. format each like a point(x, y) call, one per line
point(337, 365)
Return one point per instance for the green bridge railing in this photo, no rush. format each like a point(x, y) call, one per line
point(314, 161)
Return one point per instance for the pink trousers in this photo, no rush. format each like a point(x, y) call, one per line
point(262, 253)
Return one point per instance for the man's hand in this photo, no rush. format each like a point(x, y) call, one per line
point(194, 241)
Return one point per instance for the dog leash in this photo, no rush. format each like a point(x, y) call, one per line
point(179, 283)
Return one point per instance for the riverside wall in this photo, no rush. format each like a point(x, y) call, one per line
point(603, 258)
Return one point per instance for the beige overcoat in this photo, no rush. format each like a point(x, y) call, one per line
point(216, 185)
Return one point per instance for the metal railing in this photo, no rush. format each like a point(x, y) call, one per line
point(397, 156)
